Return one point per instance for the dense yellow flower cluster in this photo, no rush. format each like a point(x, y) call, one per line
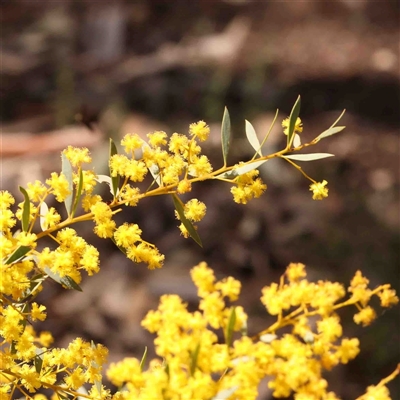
point(205, 354)
point(200, 360)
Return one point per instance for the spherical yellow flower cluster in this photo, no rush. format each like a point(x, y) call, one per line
point(248, 186)
point(298, 126)
point(319, 190)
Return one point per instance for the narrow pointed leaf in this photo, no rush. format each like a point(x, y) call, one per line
point(241, 170)
point(296, 140)
point(105, 179)
point(188, 225)
point(121, 249)
point(308, 157)
point(35, 283)
point(155, 173)
point(330, 132)
point(17, 255)
point(270, 128)
point(194, 356)
point(65, 281)
point(252, 138)
point(78, 192)
point(114, 179)
point(67, 171)
point(44, 209)
point(26, 210)
point(292, 119)
point(230, 327)
point(339, 118)
point(69, 283)
point(225, 135)
point(143, 360)
point(38, 360)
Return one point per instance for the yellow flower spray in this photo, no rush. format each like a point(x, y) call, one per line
point(206, 354)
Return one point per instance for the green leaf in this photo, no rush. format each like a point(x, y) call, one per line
point(78, 192)
point(26, 210)
point(292, 120)
point(122, 249)
point(67, 171)
point(230, 327)
point(330, 132)
point(252, 138)
point(17, 255)
point(114, 179)
point(69, 283)
point(34, 284)
point(194, 357)
point(241, 170)
point(44, 209)
point(166, 367)
point(188, 225)
point(308, 157)
point(143, 360)
point(225, 135)
point(65, 281)
point(38, 360)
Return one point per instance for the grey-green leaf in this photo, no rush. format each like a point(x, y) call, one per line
point(268, 337)
point(188, 225)
point(155, 173)
point(296, 140)
point(26, 210)
point(67, 171)
point(225, 393)
point(330, 132)
point(292, 119)
point(252, 138)
point(44, 209)
point(105, 179)
point(66, 281)
point(225, 135)
point(241, 170)
point(230, 327)
point(17, 255)
point(35, 283)
point(308, 157)
point(78, 192)
point(114, 179)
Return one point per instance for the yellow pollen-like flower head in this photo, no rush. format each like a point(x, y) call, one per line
point(319, 190)
point(298, 127)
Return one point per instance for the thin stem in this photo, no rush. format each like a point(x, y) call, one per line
point(298, 168)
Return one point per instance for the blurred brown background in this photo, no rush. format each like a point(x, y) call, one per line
point(132, 66)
